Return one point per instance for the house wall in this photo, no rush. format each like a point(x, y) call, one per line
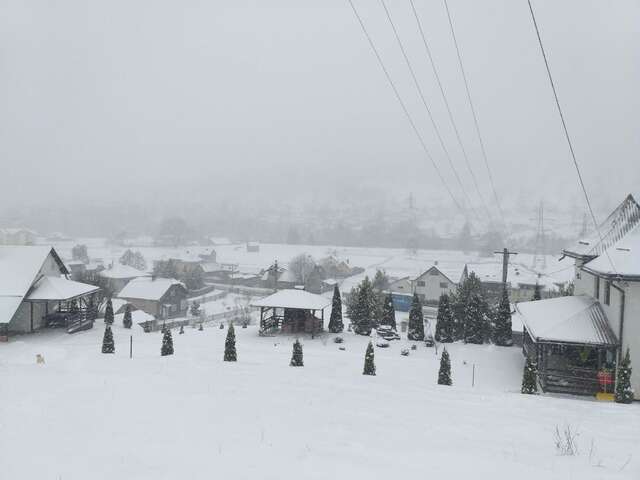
point(21, 321)
point(431, 284)
point(403, 285)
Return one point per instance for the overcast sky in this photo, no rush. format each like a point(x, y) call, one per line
point(138, 97)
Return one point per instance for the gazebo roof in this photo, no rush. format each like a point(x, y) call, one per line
point(292, 298)
point(57, 288)
point(574, 319)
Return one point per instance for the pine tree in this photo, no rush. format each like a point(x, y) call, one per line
point(108, 345)
point(335, 321)
point(624, 392)
point(444, 324)
point(126, 321)
point(200, 327)
point(502, 333)
point(230, 354)
point(530, 378)
point(108, 313)
point(369, 361)
point(474, 320)
point(389, 312)
point(469, 287)
point(364, 308)
point(296, 358)
point(444, 374)
point(537, 292)
point(181, 330)
point(167, 343)
point(416, 320)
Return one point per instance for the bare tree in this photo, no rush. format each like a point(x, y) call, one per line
point(301, 266)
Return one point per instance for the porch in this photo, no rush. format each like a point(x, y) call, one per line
point(572, 344)
point(63, 303)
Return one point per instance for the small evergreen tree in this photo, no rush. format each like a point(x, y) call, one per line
point(537, 292)
point(200, 327)
point(167, 343)
point(364, 308)
point(230, 354)
point(195, 309)
point(126, 321)
point(108, 345)
point(389, 312)
point(296, 358)
point(416, 320)
point(444, 322)
point(369, 361)
point(108, 312)
point(335, 321)
point(502, 332)
point(624, 392)
point(444, 374)
point(181, 331)
point(530, 378)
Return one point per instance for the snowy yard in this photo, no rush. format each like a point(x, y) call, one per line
point(84, 415)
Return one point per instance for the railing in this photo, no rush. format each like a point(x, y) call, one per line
point(575, 380)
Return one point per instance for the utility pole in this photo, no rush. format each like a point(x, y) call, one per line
point(505, 263)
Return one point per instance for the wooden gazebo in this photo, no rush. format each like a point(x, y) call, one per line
point(292, 311)
point(572, 344)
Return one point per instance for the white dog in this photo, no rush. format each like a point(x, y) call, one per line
point(39, 359)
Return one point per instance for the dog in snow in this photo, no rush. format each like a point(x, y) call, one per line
point(39, 359)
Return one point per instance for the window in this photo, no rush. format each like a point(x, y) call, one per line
point(597, 288)
point(421, 283)
point(444, 285)
point(607, 292)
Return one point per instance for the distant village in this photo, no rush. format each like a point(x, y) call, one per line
point(574, 329)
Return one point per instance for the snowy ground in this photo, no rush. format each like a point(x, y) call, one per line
point(86, 416)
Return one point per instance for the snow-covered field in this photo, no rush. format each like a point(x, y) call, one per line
point(84, 415)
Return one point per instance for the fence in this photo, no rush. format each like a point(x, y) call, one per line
point(237, 315)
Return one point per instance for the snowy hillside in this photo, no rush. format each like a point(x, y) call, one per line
point(84, 415)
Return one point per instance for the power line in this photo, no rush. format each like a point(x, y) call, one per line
point(446, 103)
point(426, 106)
point(473, 112)
point(404, 108)
point(566, 134)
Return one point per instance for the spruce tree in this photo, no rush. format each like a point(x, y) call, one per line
point(369, 361)
point(230, 354)
point(108, 312)
point(474, 320)
point(530, 378)
point(624, 392)
point(364, 308)
point(181, 330)
point(389, 312)
point(108, 345)
point(502, 332)
point(126, 321)
point(444, 321)
point(537, 292)
point(296, 358)
point(444, 374)
point(167, 343)
point(335, 321)
point(200, 327)
point(416, 320)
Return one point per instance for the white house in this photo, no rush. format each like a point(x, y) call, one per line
point(433, 282)
point(35, 291)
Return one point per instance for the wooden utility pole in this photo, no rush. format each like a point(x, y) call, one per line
point(505, 263)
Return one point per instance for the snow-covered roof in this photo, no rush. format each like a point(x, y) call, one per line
point(19, 267)
point(148, 288)
point(119, 271)
point(622, 220)
point(57, 288)
point(575, 319)
point(292, 298)
point(625, 256)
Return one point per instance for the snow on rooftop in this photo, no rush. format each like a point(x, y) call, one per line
point(57, 288)
point(147, 288)
point(119, 271)
point(623, 219)
point(625, 256)
point(293, 298)
point(575, 319)
point(137, 317)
